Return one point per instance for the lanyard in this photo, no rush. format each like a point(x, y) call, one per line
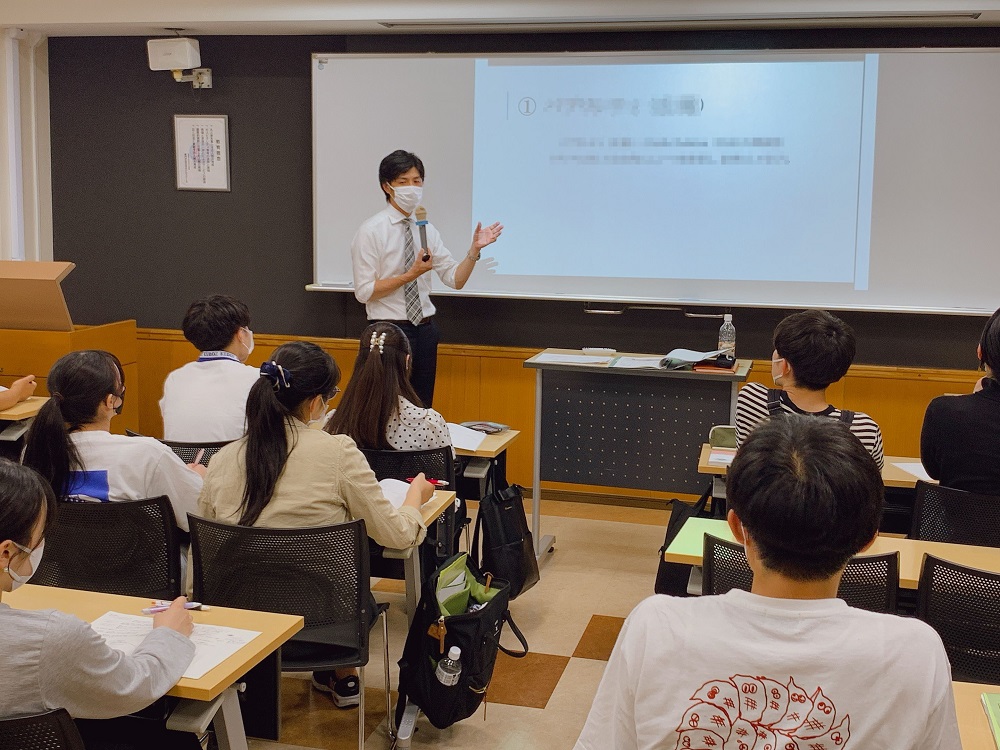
point(213, 356)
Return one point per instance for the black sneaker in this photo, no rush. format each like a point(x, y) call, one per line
point(346, 692)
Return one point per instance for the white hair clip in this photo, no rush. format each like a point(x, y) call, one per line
point(379, 341)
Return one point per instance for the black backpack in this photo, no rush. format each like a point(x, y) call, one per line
point(432, 634)
point(774, 407)
point(507, 550)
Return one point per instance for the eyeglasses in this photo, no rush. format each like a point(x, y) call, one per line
point(333, 393)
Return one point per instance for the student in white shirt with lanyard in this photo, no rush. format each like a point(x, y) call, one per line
point(205, 400)
point(390, 267)
point(788, 665)
point(70, 442)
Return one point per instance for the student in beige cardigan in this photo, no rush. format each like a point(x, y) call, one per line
point(283, 474)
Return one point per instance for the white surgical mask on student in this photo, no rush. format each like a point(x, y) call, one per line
point(407, 197)
point(248, 347)
point(35, 556)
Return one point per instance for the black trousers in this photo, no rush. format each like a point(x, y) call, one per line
point(424, 340)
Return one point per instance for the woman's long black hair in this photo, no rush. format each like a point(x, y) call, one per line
point(381, 376)
point(296, 373)
point(78, 382)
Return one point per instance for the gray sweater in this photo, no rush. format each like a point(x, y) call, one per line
point(50, 660)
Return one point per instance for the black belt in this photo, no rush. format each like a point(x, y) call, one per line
point(402, 323)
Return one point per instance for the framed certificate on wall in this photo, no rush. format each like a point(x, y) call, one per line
point(201, 148)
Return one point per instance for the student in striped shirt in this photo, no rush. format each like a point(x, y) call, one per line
point(812, 350)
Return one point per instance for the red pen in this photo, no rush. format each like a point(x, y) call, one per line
point(435, 482)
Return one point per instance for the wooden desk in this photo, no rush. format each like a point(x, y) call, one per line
point(687, 549)
point(892, 475)
point(973, 726)
point(274, 629)
point(493, 450)
point(24, 410)
point(622, 427)
point(492, 445)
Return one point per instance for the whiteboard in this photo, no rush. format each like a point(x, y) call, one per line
point(860, 179)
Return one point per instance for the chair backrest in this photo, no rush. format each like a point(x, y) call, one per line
point(130, 547)
point(724, 567)
point(944, 514)
point(187, 452)
point(963, 605)
point(869, 582)
point(436, 463)
point(53, 730)
point(320, 573)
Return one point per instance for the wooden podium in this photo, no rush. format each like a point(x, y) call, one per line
point(36, 329)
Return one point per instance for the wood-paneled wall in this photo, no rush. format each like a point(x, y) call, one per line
point(485, 382)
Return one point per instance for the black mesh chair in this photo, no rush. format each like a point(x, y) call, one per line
point(187, 452)
point(54, 730)
point(869, 582)
point(943, 514)
point(320, 573)
point(963, 605)
point(130, 547)
point(441, 540)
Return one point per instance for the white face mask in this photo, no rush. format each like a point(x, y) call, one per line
point(249, 347)
point(321, 419)
point(35, 556)
point(407, 197)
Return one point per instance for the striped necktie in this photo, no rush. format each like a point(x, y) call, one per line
point(414, 311)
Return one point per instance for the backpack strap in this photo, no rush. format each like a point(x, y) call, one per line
point(847, 417)
point(474, 550)
point(517, 633)
point(774, 402)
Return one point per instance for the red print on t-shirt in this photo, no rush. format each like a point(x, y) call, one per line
point(759, 713)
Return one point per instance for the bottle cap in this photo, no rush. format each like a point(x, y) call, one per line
point(728, 318)
point(454, 653)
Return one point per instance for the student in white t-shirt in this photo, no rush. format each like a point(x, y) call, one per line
point(788, 666)
point(205, 401)
point(379, 409)
point(71, 445)
point(19, 390)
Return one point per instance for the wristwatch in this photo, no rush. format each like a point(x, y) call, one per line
point(475, 258)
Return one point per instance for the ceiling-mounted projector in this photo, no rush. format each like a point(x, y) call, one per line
point(177, 53)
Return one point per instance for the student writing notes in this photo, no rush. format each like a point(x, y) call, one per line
point(787, 663)
point(205, 400)
point(53, 660)
point(812, 351)
point(71, 445)
point(19, 390)
point(283, 474)
point(960, 438)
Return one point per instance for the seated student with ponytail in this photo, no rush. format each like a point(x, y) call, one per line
point(52, 660)
point(70, 442)
point(380, 410)
point(283, 474)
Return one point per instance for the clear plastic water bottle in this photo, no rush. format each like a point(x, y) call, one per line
point(449, 668)
point(727, 336)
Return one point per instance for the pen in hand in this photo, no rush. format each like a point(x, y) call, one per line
point(435, 482)
point(162, 606)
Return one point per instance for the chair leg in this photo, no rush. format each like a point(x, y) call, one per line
point(361, 708)
point(390, 718)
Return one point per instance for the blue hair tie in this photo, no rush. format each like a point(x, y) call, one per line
point(278, 375)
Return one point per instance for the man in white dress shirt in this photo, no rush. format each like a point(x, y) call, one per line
point(205, 401)
point(390, 267)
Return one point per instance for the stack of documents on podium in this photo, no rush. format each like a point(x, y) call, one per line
point(213, 644)
point(555, 358)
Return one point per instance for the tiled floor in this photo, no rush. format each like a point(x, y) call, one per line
point(604, 563)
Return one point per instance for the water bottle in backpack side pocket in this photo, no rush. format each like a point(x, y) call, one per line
point(450, 667)
point(727, 336)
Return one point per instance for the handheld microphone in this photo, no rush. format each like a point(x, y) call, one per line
point(421, 214)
